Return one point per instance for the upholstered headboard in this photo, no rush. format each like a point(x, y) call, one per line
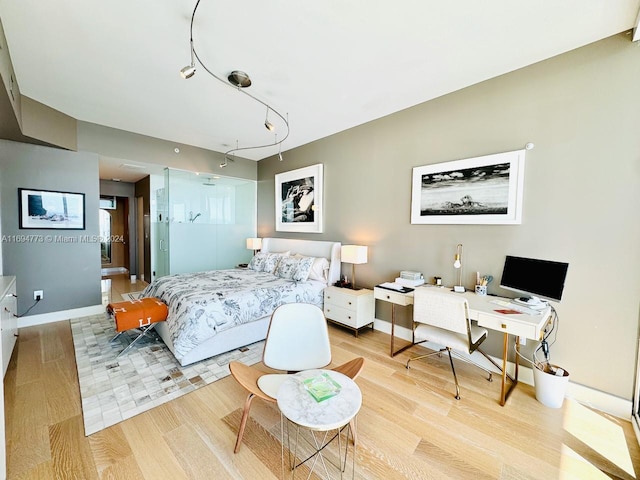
point(309, 248)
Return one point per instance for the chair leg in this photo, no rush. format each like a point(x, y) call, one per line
point(455, 377)
point(465, 359)
point(439, 352)
point(243, 422)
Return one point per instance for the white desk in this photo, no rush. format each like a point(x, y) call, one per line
point(484, 312)
point(298, 406)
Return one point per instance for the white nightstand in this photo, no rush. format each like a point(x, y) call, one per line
point(351, 308)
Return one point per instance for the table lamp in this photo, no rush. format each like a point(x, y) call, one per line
point(254, 244)
point(354, 254)
point(457, 264)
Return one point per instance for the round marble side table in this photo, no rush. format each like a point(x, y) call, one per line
point(300, 408)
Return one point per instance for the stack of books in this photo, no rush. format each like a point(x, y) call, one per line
point(409, 278)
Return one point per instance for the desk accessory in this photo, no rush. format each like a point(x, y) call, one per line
point(395, 287)
point(457, 264)
point(322, 387)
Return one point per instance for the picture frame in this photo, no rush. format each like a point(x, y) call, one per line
point(50, 209)
point(299, 197)
point(479, 190)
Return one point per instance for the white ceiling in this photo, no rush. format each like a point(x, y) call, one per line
point(331, 65)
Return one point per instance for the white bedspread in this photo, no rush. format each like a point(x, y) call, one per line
point(204, 303)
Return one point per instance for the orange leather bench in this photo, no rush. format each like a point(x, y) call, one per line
point(142, 314)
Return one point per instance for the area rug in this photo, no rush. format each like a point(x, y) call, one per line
point(131, 295)
point(114, 389)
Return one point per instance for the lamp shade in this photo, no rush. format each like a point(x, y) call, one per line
point(353, 254)
point(254, 243)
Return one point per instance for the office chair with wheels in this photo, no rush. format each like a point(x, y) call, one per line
point(297, 339)
point(443, 318)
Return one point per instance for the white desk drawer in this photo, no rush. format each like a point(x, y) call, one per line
point(393, 297)
point(518, 329)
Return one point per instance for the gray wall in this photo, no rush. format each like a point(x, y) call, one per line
point(581, 195)
point(69, 273)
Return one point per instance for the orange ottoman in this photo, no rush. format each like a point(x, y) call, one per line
point(142, 314)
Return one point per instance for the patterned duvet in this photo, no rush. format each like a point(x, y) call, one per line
point(204, 303)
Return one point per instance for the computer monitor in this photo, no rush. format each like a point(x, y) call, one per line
point(537, 279)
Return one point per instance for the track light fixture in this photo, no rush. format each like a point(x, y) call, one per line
point(267, 124)
point(239, 80)
point(190, 70)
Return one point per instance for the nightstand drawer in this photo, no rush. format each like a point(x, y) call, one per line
point(344, 316)
point(341, 300)
point(393, 297)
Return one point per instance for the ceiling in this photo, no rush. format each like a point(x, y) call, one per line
point(329, 65)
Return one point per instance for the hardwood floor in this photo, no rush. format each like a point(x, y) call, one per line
point(410, 425)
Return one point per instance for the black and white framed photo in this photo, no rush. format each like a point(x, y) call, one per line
point(480, 190)
point(299, 200)
point(46, 209)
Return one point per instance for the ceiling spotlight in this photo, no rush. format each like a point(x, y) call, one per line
point(188, 71)
point(239, 79)
point(267, 124)
point(280, 151)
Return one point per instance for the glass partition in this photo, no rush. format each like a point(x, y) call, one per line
point(207, 220)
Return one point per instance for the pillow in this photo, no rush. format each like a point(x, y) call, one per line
point(271, 261)
point(286, 267)
point(257, 262)
point(294, 268)
point(301, 273)
point(319, 269)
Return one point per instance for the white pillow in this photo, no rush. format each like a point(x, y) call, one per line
point(319, 270)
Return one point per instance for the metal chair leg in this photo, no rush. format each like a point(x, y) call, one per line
point(455, 377)
point(439, 352)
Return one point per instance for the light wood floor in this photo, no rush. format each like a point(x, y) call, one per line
point(410, 426)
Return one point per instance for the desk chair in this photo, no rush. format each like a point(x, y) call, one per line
point(443, 318)
point(297, 339)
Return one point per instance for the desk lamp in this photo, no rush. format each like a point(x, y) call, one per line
point(457, 264)
point(353, 254)
point(254, 244)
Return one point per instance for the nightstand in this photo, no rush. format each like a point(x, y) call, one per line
point(353, 309)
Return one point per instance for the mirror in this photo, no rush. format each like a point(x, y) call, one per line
point(105, 236)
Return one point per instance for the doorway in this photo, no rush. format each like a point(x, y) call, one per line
point(114, 237)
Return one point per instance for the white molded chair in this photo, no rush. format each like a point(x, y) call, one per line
point(297, 339)
point(443, 318)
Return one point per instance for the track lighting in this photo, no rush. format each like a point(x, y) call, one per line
point(267, 124)
point(190, 70)
point(238, 80)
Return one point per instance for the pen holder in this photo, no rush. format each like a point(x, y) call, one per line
point(481, 289)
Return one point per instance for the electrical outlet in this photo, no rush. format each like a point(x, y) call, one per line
point(38, 294)
point(523, 340)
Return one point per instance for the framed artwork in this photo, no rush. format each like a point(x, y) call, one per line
point(299, 200)
point(46, 209)
point(480, 190)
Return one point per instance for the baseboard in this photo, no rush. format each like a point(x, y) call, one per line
point(33, 320)
point(605, 402)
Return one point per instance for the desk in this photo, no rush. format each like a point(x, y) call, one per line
point(394, 298)
point(299, 407)
point(484, 312)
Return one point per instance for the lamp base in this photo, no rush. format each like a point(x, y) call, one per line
point(459, 289)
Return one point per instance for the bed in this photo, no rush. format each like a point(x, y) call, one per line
point(218, 311)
